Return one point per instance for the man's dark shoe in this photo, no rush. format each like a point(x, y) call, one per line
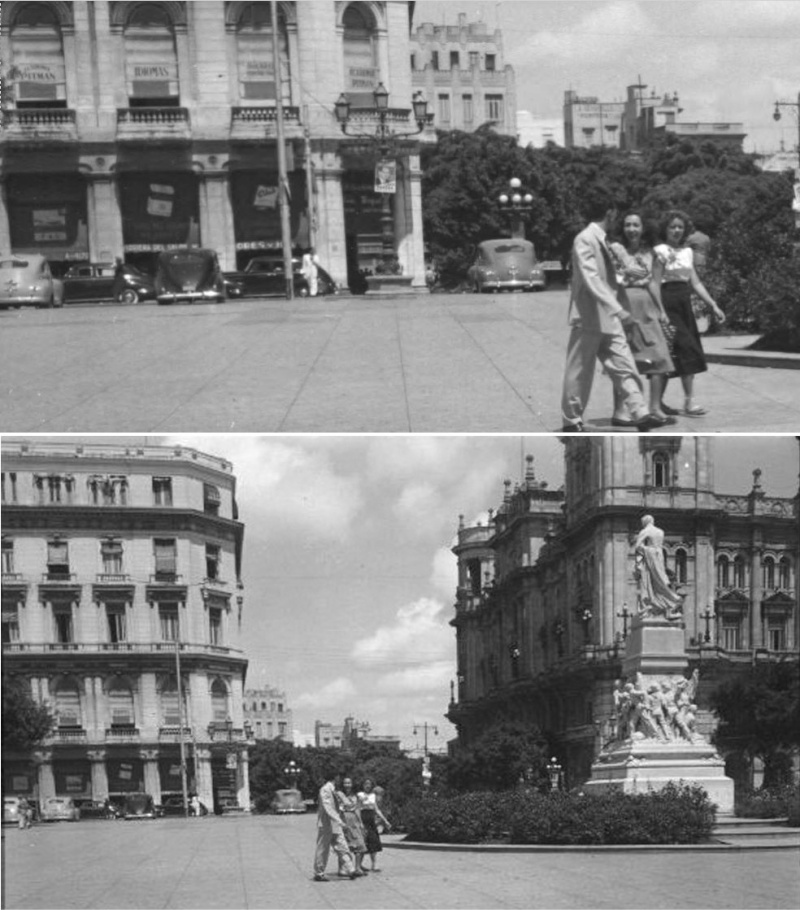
point(573, 428)
point(618, 422)
point(651, 422)
point(354, 875)
point(321, 878)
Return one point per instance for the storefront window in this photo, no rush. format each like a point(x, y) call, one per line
point(159, 211)
point(151, 62)
point(361, 71)
point(37, 73)
point(254, 55)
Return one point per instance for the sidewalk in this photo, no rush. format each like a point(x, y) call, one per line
point(733, 350)
point(266, 862)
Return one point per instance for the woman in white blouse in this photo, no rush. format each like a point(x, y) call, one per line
point(675, 273)
point(370, 815)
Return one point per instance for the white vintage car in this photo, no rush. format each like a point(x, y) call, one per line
point(26, 280)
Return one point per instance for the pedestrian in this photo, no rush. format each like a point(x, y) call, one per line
point(675, 272)
point(598, 320)
point(310, 272)
point(640, 296)
point(353, 828)
point(330, 831)
point(194, 805)
point(370, 815)
point(24, 813)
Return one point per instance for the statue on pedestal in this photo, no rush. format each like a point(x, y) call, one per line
point(657, 709)
point(655, 596)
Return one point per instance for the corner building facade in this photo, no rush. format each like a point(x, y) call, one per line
point(546, 589)
point(128, 128)
point(122, 608)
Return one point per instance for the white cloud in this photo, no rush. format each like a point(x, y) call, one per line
point(420, 635)
point(433, 678)
point(335, 694)
point(444, 575)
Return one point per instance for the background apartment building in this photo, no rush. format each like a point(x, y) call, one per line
point(461, 71)
point(132, 127)
point(546, 588)
point(268, 714)
point(122, 607)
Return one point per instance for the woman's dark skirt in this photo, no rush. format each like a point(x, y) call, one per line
point(369, 819)
point(687, 352)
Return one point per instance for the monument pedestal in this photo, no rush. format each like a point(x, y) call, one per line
point(389, 285)
point(657, 743)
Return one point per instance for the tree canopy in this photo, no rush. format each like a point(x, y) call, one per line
point(26, 722)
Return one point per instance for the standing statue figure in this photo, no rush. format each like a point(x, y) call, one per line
point(656, 597)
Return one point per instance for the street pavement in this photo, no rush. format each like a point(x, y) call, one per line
point(265, 862)
point(423, 363)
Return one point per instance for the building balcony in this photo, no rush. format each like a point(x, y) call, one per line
point(45, 126)
point(138, 124)
point(59, 578)
point(122, 734)
point(70, 735)
point(220, 732)
point(172, 734)
point(15, 582)
point(257, 123)
point(112, 578)
point(129, 647)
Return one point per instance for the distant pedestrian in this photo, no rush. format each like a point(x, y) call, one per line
point(330, 831)
point(194, 805)
point(674, 270)
point(598, 322)
point(24, 813)
point(371, 814)
point(310, 272)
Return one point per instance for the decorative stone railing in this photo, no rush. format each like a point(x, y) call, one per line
point(153, 116)
point(39, 119)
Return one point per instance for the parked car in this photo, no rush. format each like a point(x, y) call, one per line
point(265, 276)
point(139, 805)
point(96, 808)
point(13, 807)
point(189, 273)
point(173, 805)
point(26, 280)
point(60, 808)
point(288, 802)
point(506, 264)
point(101, 281)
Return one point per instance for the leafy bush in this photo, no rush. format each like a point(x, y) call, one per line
point(677, 814)
point(770, 802)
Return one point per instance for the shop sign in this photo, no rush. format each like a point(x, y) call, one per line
point(20, 784)
point(259, 245)
point(125, 771)
point(266, 197)
point(50, 225)
point(231, 761)
point(386, 176)
point(74, 783)
point(362, 78)
point(152, 72)
point(256, 69)
point(40, 73)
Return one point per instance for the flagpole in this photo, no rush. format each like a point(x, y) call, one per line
point(283, 194)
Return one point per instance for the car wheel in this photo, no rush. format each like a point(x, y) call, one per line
point(129, 295)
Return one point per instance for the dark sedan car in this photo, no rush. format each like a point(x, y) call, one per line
point(265, 276)
point(139, 805)
point(506, 264)
point(104, 281)
point(96, 808)
point(189, 274)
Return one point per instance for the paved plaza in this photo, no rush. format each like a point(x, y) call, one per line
point(423, 363)
point(265, 862)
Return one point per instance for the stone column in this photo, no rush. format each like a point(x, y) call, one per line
point(243, 794)
point(148, 708)
point(104, 215)
point(331, 240)
point(45, 780)
point(152, 781)
point(216, 212)
point(408, 220)
point(753, 628)
point(203, 782)
point(99, 777)
point(5, 226)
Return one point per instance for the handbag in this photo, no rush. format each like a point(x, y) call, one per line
point(670, 332)
point(640, 346)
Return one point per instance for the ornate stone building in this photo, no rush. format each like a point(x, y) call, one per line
point(131, 127)
point(462, 72)
point(268, 713)
point(546, 589)
point(122, 606)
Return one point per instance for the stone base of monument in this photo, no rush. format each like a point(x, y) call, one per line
point(647, 764)
point(389, 285)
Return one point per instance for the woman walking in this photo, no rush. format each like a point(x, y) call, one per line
point(639, 295)
point(353, 829)
point(370, 814)
point(675, 272)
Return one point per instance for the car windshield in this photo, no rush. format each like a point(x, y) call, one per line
point(14, 263)
point(509, 248)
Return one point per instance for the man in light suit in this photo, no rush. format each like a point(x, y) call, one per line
point(330, 832)
point(598, 324)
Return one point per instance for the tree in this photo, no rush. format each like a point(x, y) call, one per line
point(759, 716)
point(26, 722)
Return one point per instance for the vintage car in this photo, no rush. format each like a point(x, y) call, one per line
point(96, 808)
point(288, 802)
point(507, 264)
point(26, 280)
point(265, 276)
point(139, 805)
point(189, 274)
point(89, 281)
point(60, 808)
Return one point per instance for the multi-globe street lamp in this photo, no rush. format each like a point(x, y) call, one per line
point(516, 202)
point(384, 138)
point(291, 772)
point(554, 770)
point(776, 116)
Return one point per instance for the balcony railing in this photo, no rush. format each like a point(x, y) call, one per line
point(263, 114)
point(52, 124)
point(219, 733)
point(13, 578)
point(112, 578)
point(166, 578)
point(18, 647)
point(70, 735)
point(122, 734)
point(152, 116)
point(172, 734)
point(59, 578)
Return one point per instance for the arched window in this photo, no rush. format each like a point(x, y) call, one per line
point(361, 72)
point(784, 573)
point(151, 60)
point(739, 576)
point(723, 572)
point(660, 469)
point(768, 572)
point(120, 705)
point(680, 566)
point(219, 701)
point(68, 704)
point(170, 713)
point(257, 78)
point(37, 74)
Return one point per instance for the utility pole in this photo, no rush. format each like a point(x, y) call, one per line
point(426, 726)
point(283, 187)
point(312, 213)
point(180, 727)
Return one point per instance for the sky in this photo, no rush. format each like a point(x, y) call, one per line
point(728, 60)
point(349, 579)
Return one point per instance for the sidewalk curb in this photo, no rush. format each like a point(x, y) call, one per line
point(754, 359)
point(719, 847)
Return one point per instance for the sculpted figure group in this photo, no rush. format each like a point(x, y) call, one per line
point(663, 711)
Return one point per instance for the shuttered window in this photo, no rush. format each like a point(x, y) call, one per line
point(68, 705)
point(255, 60)
point(120, 706)
point(37, 73)
point(165, 558)
point(361, 71)
point(219, 701)
point(151, 62)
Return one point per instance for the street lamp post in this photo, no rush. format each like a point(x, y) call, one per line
point(425, 727)
point(516, 202)
point(554, 770)
point(384, 137)
point(292, 772)
point(793, 104)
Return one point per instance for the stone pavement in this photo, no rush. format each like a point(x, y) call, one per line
point(265, 862)
point(425, 363)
